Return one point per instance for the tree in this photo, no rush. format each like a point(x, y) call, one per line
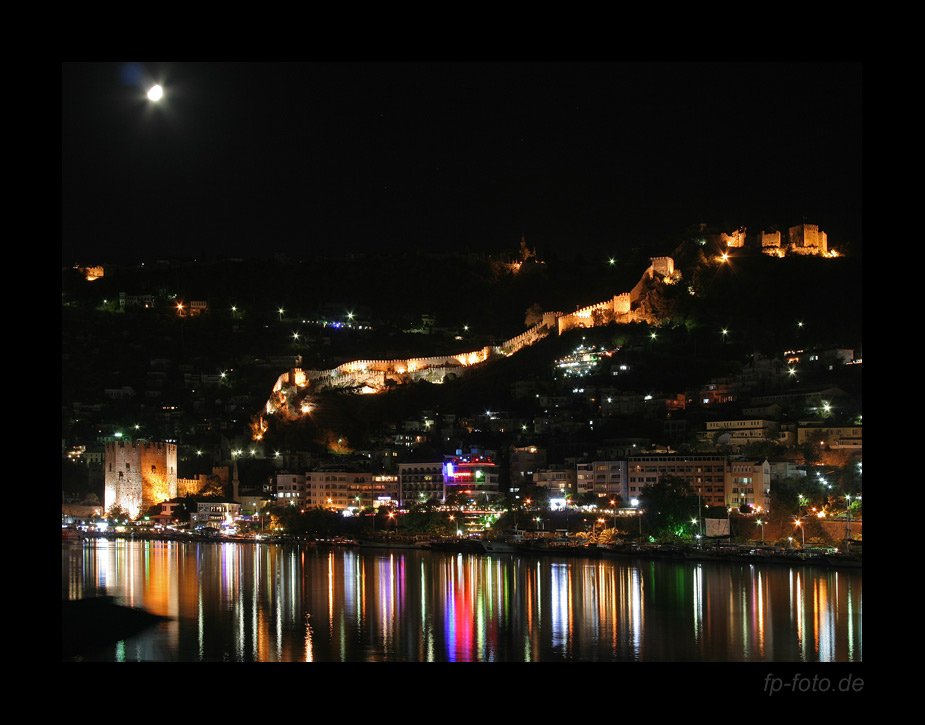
point(534, 315)
point(117, 513)
point(668, 506)
point(786, 497)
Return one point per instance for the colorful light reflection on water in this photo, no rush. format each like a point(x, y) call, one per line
point(263, 603)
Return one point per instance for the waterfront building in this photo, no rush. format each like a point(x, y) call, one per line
point(560, 480)
point(749, 484)
point(584, 477)
point(608, 479)
point(215, 514)
point(420, 481)
point(290, 488)
point(345, 490)
point(471, 475)
point(706, 474)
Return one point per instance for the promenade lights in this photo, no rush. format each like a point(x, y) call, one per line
point(802, 531)
point(635, 503)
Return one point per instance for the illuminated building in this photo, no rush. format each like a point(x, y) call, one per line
point(739, 432)
point(215, 514)
point(290, 488)
point(420, 482)
point(525, 462)
point(471, 476)
point(705, 474)
point(749, 483)
point(560, 480)
point(337, 489)
point(803, 239)
point(139, 475)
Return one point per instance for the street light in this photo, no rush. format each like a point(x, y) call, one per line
point(635, 503)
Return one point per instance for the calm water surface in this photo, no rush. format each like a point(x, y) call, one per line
point(281, 603)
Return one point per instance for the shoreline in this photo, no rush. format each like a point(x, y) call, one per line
point(742, 554)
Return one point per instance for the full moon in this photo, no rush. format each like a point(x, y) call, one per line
point(155, 93)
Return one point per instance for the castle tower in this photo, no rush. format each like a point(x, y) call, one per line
point(139, 475)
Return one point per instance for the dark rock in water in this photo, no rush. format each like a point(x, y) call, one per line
point(89, 624)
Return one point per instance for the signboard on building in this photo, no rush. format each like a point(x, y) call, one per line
point(717, 527)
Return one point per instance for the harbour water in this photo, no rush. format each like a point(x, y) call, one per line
point(240, 602)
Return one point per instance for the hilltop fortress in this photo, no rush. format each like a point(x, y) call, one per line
point(289, 394)
point(803, 239)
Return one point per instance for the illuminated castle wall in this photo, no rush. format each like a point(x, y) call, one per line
point(373, 376)
point(139, 475)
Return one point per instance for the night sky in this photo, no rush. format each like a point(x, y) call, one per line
point(312, 159)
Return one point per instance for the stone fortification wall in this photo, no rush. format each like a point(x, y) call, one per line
point(373, 375)
point(622, 308)
point(531, 336)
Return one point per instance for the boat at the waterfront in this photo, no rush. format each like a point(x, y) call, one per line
point(394, 544)
point(734, 554)
point(457, 545)
point(336, 541)
point(492, 546)
point(559, 548)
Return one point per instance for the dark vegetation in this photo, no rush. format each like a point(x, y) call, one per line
point(757, 299)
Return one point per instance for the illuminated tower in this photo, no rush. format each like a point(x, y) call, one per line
point(139, 475)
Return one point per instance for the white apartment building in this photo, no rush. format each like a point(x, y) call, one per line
point(560, 480)
point(608, 478)
point(291, 488)
point(215, 514)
